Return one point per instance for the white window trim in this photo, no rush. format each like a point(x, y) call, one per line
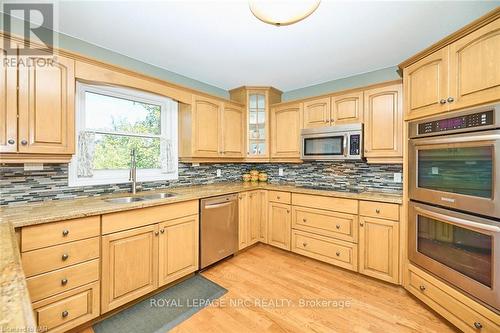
point(169, 109)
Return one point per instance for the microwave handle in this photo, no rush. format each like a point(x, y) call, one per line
point(345, 144)
point(459, 221)
point(465, 138)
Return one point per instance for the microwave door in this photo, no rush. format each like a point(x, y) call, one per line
point(326, 147)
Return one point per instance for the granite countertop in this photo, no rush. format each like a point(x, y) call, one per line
point(16, 311)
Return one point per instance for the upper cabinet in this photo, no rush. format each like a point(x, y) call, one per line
point(40, 127)
point(317, 113)
point(256, 121)
point(462, 74)
point(383, 139)
point(211, 130)
point(286, 122)
point(347, 108)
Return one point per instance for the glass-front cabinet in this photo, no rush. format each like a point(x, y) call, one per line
point(257, 101)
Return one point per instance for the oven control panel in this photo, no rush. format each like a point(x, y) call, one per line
point(449, 124)
point(354, 144)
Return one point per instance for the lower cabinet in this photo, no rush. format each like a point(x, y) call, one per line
point(252, 218)
point(242, 220)
point(379, 248)
point(129, 265)
point(279, 225)
point(178, 248)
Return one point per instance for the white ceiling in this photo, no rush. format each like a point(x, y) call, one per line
point(222, 44)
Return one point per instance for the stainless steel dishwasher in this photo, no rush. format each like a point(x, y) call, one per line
point(218, 228)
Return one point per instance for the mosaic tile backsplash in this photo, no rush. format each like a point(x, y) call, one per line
point(18, 186)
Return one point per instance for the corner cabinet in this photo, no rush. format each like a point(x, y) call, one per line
point(256, 123)
point(383, 137)
point(252, 211)
point(211, 130)
point(286, 122)
point(462, 74)
point(44, 130)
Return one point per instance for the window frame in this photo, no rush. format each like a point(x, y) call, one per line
point(168, 130)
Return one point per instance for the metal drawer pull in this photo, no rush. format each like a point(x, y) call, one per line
point(65, 232)
point(304, 220)
point(337, 253)
point(11, 141)
point(478, 325)
point(442, 101)
point(422, 287)
point(450, 99)
point(64, 282)
point(337, 226)
point(65, 257)
point(304, 244)
point(278, 197)
point(64, 314)
point(162, 231)
point(361, 224)
point(24, 142)
point(156, 233)
point(377, 211)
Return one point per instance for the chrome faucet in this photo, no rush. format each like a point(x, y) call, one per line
point(133, 171)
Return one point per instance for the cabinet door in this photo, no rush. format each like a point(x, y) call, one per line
point(317, 113)
point(426, 85)
point(233, 131)
point(475, 67)
point(242, 220)
point(384, 122)
point(254, 216)
point(129, 265)
point(178, 249)
point(46, 105)
point(206, 127)
point(8, 105)
point(279, 225)
point(379, 248)
point(263, 216)
point(286, 122)
point(347, 108)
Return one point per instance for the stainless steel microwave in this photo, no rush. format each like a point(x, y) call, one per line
point(342, 142)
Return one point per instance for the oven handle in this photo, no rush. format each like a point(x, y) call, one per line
point(465, 138)
point(345, 145)
point(459, 221)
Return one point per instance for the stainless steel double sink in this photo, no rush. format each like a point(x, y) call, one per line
point(144, 197)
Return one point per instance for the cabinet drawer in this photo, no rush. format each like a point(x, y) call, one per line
point(326, 249)
point(281, 197)
point(39, 236)
point(326, 223)
point(379, 209)
point(59, 256)
point(457, 312)
point(67, 310)
point(52, 283)
point(342, 205)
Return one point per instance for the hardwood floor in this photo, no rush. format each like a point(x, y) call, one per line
point(264, 274)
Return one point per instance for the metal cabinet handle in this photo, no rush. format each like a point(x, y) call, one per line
point(24, 142)
point(65, 232)
point(304, 220)
point(65, 257)
point(377, 211)
point(337, 253)
point(422, 288)
point(64, 282)
point(337, 226)
point(361, 224)
point(288, 210)
point(450, 99)
point(162, 231)
point(304, 244)
point(278, 197)
point(156, 233)
point(478, 325)
point(442, 101)
point(11, 141)
point(64, 314)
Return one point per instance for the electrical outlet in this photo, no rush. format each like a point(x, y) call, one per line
point(397, 177)
point(33, 166)
point(280, 172)
point(219, 173)
point(195, 164)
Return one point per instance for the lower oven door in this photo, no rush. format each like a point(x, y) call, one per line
point(459, 248)
point(458, 171)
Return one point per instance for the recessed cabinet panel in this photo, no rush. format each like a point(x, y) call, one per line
point(46, 105)
point(286, 122)
point(233, 131)
point(317, 113)
point(8, 106)
point(279, 226)
point(347, 108)
point(206, 127)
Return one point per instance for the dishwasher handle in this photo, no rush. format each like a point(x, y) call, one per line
point(217, 205)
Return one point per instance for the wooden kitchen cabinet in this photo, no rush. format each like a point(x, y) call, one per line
point(8, 106)
point(129, 265)
point(242, 220)
point(279, 225)
point(317, 113)
point(286, 122)
point(383, 140)
point(47, 106)
point(178, 248)
point(233, 131)
point(347, 108)
point(379, 248)
point(255, 208)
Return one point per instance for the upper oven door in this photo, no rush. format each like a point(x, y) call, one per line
point(325, 146)
point(458, 171)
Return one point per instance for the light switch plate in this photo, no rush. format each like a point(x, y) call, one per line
point(397, 177)
point(219, 173)
point(195, 164)
point(33, 166)
point(280, 172)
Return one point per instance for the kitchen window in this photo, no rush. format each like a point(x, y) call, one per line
point(110, 122)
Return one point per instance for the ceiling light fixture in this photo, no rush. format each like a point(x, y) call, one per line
point(282, 12)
